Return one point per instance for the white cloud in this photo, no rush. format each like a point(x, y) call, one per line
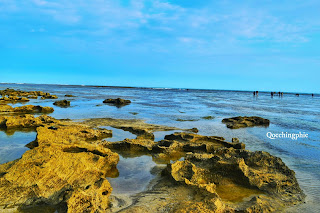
point(158, 22)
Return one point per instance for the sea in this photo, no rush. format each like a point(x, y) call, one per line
point(189, 108)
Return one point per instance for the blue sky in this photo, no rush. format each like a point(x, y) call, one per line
point(245, 45)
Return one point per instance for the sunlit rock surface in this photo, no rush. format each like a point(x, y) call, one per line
point(64, 166)
point(68, 164)
point(26, 109)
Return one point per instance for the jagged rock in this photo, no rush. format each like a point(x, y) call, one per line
point(33, 109)
point(19, 93)
point(55, 174)
point(62, 103)
point(260, 172)
point(24, 121)
point(117, 101)
point(68, 134)
point(191, 142)
point(64, 165)
point(68, 164)
point(173, 145)
point(14, 99)
point(241, 122)
point(26, 109)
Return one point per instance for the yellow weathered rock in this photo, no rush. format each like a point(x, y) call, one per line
point(63, 166)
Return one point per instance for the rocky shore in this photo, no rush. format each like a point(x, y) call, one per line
point(11, 95)
point(69, 161)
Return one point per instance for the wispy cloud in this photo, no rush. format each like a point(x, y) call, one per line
point(144, 22)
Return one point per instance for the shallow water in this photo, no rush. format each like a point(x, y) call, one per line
point(13, 146)
point(236, 193)
point(118, 134)
point(186, 109)
point(134, 175)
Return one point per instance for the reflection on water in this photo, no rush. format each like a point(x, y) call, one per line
point(13, 146)
point(119, 134)
point(134, 175)
point(158, 136)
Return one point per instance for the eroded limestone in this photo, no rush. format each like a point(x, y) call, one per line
point(241, 122)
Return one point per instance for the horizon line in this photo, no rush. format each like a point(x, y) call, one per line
point(176, 88)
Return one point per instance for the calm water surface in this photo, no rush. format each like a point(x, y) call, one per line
point(170, 106)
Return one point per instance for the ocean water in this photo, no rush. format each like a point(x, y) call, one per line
point(186, 109)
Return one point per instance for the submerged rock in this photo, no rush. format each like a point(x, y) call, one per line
point(69, 95)
point(135, 126)
point(117, 101)
point(241, 122)
point(62, 103)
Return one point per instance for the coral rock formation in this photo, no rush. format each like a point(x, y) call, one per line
point(62, 103)
point(232, 168)
point(14, 99)
point(117, 101)
point(48, 96)
point(26, 109)
point(11, 95)
point(64, 166)
point(241, 122)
